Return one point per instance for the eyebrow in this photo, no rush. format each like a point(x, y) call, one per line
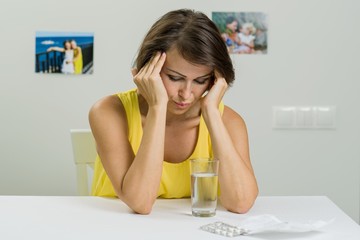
point(206, 75)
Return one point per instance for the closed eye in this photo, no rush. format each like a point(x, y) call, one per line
point(175, 78)
point(202, 81)
point(180, 78)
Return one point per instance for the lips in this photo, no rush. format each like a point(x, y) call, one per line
point(182, 104)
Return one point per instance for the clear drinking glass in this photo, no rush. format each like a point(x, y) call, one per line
point(204, 186)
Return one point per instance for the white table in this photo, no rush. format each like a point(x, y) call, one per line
point(66, 218)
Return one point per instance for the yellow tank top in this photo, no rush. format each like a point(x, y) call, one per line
point(175, 179)
point(78, 64)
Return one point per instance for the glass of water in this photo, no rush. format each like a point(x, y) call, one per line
point(204, 186)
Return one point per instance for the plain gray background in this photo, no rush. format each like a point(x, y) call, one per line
point(312, 60)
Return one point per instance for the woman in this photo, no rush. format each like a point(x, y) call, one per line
point(230, 35)
point(67, 66)
point(146, 136)
point(78, 59)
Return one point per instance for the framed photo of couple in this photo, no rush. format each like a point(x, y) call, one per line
point(68, 53)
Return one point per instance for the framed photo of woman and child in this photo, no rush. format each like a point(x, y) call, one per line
point(69, 53)
point(243, 32)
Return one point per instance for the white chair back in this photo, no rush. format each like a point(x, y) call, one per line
point(84, 151)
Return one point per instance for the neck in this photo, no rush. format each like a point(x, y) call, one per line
point(191, 114)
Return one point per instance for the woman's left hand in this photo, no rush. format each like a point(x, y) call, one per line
point(215, 94)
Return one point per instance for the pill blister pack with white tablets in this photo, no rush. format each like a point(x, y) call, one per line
point(224, 229)
point(264, 223)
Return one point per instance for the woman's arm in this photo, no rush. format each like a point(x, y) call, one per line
point(135, 179)
point(230, 145)
point(59, 49)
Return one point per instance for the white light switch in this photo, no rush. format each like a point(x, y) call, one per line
point(325, 117)
point(305, 117)
point(283, 117)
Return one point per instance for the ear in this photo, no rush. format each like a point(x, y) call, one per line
point(134, 71)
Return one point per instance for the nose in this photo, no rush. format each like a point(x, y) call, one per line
point(185, 91)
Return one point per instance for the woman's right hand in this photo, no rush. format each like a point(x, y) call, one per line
point(149, 82)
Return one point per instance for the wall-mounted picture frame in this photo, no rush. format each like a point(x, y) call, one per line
point(243, 32)
point(68, 53)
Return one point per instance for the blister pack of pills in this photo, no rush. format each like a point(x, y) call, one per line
point(224, 229)
point(264, 223)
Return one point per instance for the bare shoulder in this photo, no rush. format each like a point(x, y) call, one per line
point(108, 111)
point(106, 105)
point(232, 119)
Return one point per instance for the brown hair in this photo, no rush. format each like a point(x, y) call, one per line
point(194, 35)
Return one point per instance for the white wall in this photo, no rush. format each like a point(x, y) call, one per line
point(312, 60)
